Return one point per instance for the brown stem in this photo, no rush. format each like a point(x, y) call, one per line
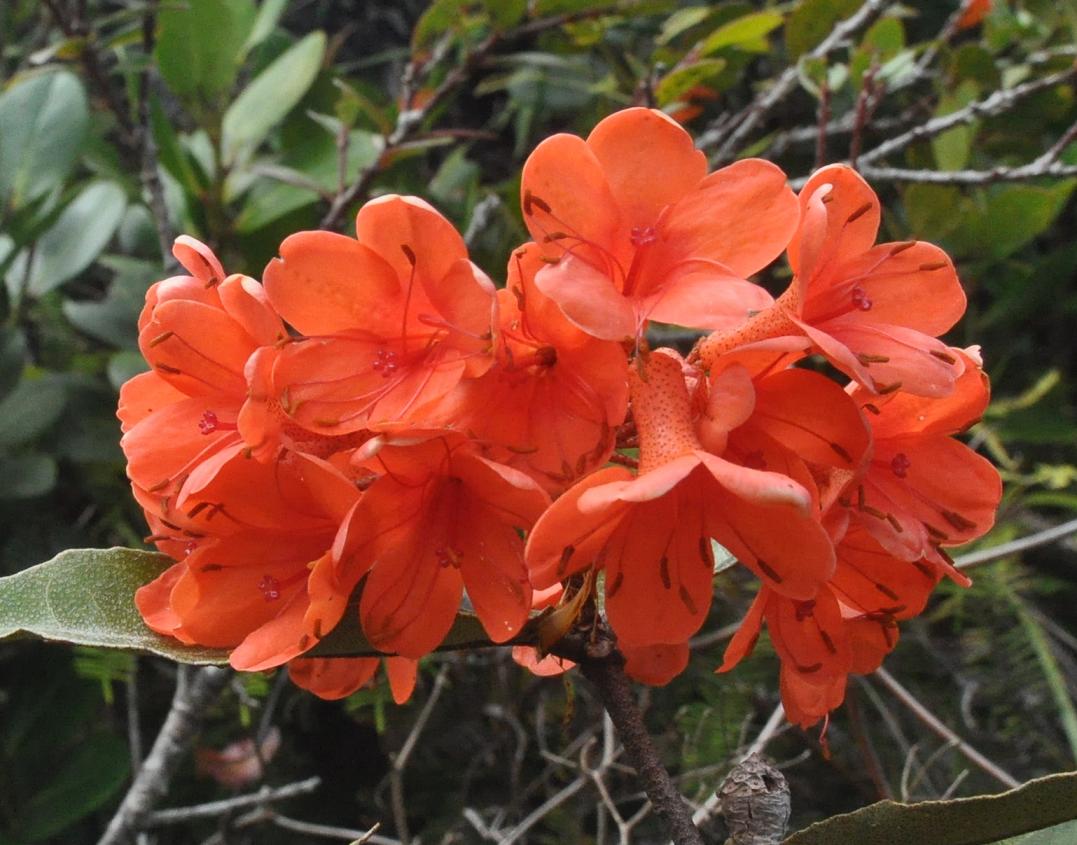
point(607, 675)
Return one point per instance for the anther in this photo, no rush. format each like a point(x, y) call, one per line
point(944, 356)
point(687, 601)
point(409, 253)
point(804, 609)
point(663, 572)
point(768, 570)
point(860, 212)
point(161, 338)
point(866, 358)
point(958, 521)
point(165, 368)
point(936, 265)
point(884, 389)
point(842, 452)
point(897, 249)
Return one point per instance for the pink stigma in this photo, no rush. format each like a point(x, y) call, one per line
point(643, 235)
point(209, 422)
point(270, 587)
point(860, 299)
point(900, 464)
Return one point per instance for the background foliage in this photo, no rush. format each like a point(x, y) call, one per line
point(265, 118)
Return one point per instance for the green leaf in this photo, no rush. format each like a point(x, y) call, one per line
point(12, 357)
point(34, 405)
point(200, 45)
point(952, 148)
point(114, 319)
point(70, 245)
point(271, 95)
point(812, 21)
point(97, 769)
point(746, 30)
point(505, 13)
point(966, 821)
point(676, 83)
point(1008, 217)
point(44, 119)
point(86, 596)
point(269, 13)
point(27, 476)
point(681, 21)
point(1062, 834)
point(124, 366)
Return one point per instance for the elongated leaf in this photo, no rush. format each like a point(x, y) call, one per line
point(43, 120)
point(965, 821)
point(96, 770)
point(86, 596)
point(26, 476)
point(200, 45)
point(746, 30)
point(273, 93)
point(33, 406)
point(812, 21)
point(78, 236)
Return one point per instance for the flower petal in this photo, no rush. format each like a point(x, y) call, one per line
point(588, 298)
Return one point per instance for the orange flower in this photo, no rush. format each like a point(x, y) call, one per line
point(438, 519)
point(873, 311)
point(974, 14)
point(393, 321)
point(551, 404)
point(925, 489)
point(635, 229)
point(338, 677)
point(651, 532)
point(249, 578)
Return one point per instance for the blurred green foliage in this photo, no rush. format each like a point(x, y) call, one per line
point(262, 114)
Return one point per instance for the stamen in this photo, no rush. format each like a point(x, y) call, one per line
point(270, 587)
point(944, 356)
point(866, 358)
point(900, 464)
point(958, 521)
point(860, 212)
point(687, 601)
point(663, 572)
point(901, 247)
point(161, 338)
point(842, 452)
point(927, 268)
point(768, 570)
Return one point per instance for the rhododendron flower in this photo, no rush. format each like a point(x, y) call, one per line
point(392, 321)
point(438, 519)
point(338, 677)
point(635, 229)
point(551, 404)
point(651, 532)
point(874, 311)
point(923, 488)
point(245, 582)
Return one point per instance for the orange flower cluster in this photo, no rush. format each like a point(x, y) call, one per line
point(376, 418)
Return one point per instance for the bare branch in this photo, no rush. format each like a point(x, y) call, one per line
point(735, 131)
point(995, 104)
point(1024, 173)
point(936, 726)
point(212, 809)
point(1040, 538)
point(400, 761)
point(607, 675)
point(196, 688)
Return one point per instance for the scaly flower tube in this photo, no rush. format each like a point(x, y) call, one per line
point(651, 533)
point(874, 311)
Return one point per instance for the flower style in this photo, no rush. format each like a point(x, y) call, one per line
point(635, 229)
point(391, 322)
point(874, 311)
point(651, 533)
point(551, 404)
point(438, 519)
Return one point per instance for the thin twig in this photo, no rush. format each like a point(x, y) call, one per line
point(264, 815)
point(480, 218)
point(997, 103)
point(547, 806)
point(213, 809)
point(196, 689)
point(134, 730)
point(1040, 538)
point(149, 175)
point(736, 130)
point(823, 117)
point(942, 730)
point(1023, 173)
point(400, 761)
